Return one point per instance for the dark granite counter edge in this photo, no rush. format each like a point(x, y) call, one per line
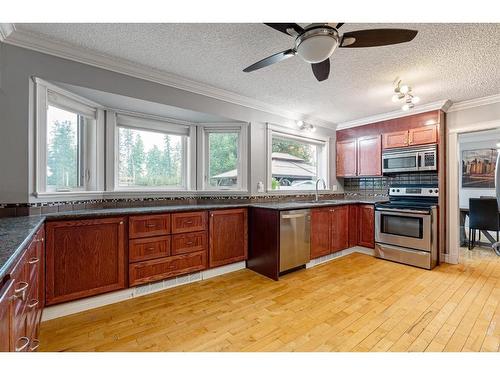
point(19, 248)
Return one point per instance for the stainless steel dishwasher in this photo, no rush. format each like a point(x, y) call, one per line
point(295, 239)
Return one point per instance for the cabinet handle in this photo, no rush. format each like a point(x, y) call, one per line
point(189, 243)
point(35, 344)
point(33, 303)
point(33, 260)
point(150, 225)
point(20, 292)
point(189, 222)
point(24, 345)
point(121, 222)
point(150, 248)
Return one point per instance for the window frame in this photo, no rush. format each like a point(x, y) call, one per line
point(90, 151)
point(323, 158)
point(116, 119)
point(204, 130)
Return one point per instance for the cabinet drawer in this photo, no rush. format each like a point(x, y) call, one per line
point(189, 221)
point(163, 268)
point(149, 248)
point(189, 242)
point(148, 225)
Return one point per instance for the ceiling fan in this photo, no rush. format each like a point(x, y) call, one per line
point(316, 43)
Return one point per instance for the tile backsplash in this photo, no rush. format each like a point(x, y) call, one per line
point(369, 186)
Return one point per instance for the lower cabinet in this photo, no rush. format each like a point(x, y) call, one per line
point(228, 241)
point(21, 300)
point(85, 258)
point(353, 225)
point(366, 233)
point(329, 230)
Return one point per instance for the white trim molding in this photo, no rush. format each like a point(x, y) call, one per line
point(37, 42)
point(439, 105)
point(472, 103)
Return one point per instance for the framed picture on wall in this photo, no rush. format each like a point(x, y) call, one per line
point(478, 168)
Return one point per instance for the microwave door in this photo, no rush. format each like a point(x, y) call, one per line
point(403, 162)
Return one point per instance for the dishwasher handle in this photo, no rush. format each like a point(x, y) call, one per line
point(294, 216)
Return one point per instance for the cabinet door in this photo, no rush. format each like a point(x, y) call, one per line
point(228, 236)
point(353, 225)
point(422, 136)
point(366, 225)
point(320, 232)
point(5, 293)
point(84, 258)
point(395, 139)
point(346, 158)
point(370, 156)
point(340, 228)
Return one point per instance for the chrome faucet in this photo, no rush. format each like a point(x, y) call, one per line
point(324, 187)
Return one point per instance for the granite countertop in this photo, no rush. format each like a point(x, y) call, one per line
point(16, 232)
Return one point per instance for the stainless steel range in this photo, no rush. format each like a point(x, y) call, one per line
point(406, 226)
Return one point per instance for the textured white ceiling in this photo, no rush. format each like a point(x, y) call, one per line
point(444, 61)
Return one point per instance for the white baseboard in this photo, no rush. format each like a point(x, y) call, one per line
point(53, 312)
point(338, 254)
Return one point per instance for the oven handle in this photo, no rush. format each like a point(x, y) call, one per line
point(403, 212)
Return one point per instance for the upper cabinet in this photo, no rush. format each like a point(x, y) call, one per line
point(413, 137)
point(359, 157)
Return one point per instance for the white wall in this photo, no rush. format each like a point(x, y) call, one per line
point(18, 65)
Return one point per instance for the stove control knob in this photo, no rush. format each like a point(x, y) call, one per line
point(430, 191)
point(398, 190)
point(436, 191)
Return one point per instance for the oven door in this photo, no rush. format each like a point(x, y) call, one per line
point(411, 229)
point(399, 162)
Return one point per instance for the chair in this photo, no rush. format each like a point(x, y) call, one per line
point(483, 215)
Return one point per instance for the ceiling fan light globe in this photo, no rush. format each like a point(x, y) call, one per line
point(317, 48)
point(415, 99)
point(404, 89)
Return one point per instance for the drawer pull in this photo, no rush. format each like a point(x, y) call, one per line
point(189, 222)
point(150, 248)
point(20, 292)
point(189, 243)
point(150, 225)
point(33, 260)
point(25, 342)
point(35, 344)
point(33, 303)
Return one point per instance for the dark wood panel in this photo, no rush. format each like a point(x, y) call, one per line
point(422, 136)
point(370, 156)
point(340, 228)
point(346, 158)
point(228, 236)
point(367, 225)
point(263, 256)
point(353, 225)
point(84, 258)
point(320, 232)
point(183, 222)
point(189, 242)
point(149, 225)
point(164, 268)
point(392, 125)
point(395, 139)
point(5, 294)
point(148, 248)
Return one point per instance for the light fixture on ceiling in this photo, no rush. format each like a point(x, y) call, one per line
point(306, 127)
point(317, 45)
point(404, 93)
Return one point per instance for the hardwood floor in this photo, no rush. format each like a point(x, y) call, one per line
point(354, 303)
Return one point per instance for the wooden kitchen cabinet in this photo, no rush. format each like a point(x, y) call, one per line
point(395, 139)
point(6, 291)
point(366, 233)
point(346, 158)
point(423, 135)
point(369, 156)
point(85, 258)
point(228, 236)
point(329, 230)
point(353, 225)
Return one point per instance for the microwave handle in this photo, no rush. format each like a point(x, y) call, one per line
point(419, 160)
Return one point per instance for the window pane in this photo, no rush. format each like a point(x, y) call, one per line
point(62, 149)
point(148, 158)
point(294, 164)
point(223, 160)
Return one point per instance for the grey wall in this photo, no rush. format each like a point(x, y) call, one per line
point(17, 65)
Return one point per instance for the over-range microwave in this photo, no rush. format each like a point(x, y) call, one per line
point(410, 159)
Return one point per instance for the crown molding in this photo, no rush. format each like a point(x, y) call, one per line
point(472, 103)
point(5, 30)
point(36, 42)
point(439, 105)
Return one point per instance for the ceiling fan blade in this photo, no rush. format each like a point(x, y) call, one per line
point(277, 57)
point(321, 70)
point(339, 25)
point(283, 27)
point(376, 37)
